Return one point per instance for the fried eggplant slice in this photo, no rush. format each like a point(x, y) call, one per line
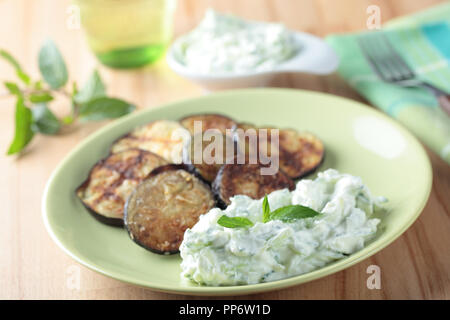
point(164, 205)
point(208, 121)
point(299, 153)
point(113, 179)
point(205, 154)
point(164, 137)
point(246, 179)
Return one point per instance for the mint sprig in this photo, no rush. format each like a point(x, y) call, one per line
point(33, 114)
point(286, 214)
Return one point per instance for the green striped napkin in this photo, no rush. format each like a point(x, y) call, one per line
point(423, 40)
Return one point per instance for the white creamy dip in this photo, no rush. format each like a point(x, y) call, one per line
point(223, 43)
point(214, 255)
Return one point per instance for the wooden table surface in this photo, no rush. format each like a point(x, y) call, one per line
point(416, 266)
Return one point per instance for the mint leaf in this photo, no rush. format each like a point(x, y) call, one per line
point(20, 73)
point(94, 88)
point(40, 97)
point(104, 108)
point(23, 133)
point(13, 88)
point(292, 212)
point(52, 66)
point(44, 121)
point(234, 222)
point(266, 209)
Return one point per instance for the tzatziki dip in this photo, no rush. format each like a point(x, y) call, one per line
point(215, 255)
point(223, 43)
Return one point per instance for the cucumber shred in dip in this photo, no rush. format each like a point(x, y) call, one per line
point(223, 43)
point(214, 255)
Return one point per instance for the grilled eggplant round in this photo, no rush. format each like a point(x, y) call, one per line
point(246, 179)
point(299, 153)
point(164, 137)
point(113, 179)
point(206, 157)
point(208, 121)
point(164, 205)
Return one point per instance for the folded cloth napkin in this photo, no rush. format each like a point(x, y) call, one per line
point(423, 40)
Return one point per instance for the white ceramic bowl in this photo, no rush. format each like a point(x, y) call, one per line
point(314, 57)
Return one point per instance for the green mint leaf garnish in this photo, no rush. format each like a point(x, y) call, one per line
point(52, 65)
point(293, 212)
point(105, 108)
point(23, 132)
point(266, 209)
point(285, 214)
point(234, 222)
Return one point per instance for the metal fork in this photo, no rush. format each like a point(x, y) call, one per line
point(390, 66)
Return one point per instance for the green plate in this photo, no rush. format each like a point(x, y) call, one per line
point(358, 140)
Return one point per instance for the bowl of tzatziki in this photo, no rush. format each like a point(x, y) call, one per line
point(225, 51)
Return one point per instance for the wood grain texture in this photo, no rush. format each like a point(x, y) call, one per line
point(416, 266)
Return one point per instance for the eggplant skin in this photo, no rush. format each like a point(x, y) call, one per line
point(169, 201)
point(299, 153)
point(209, 121)
point(166, 138)
point(246, 179)
point(112, 180)
point(115, 222)
point(208, 171)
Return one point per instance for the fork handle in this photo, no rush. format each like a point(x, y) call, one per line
point(442, 96)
